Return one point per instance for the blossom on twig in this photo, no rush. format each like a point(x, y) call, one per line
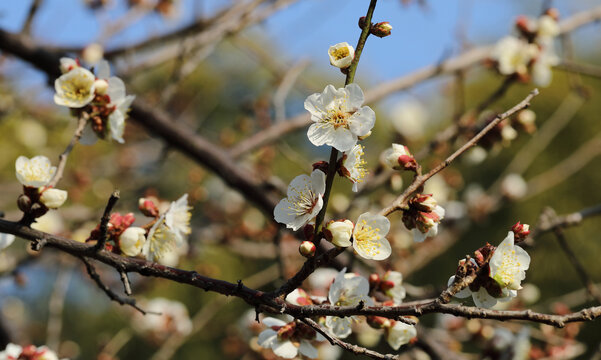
point(369, 239)
point(339, 119)
point(288, 339)
point(304, 200)
point(346, 290)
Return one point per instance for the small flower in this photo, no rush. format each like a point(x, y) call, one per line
point(541, 69)
point(548, 27)
point(353, 166)
point(303, 202)
point(398, 157)
point(14, 352)
point(164, 318)
point(400, 334)
point(177, 217)
point(75, 88)
point(423, 216)
point(341, 55)
point(307, 249)
point(148, 207)
point(132, 240)
point(509, 263)
point(288, 339)
point(121, 104)
point(6, 240)
point(53, 198)
point(346, 290)
point(513, 55)
point(34, 172)
point(339, 117)
point(339, 232)
point(369, 237)
point(392, 285)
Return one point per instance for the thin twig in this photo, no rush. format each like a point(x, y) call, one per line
point(126, 283)
point(419, 181)
point(119, 299)
point(33, 11)
point(355, 349)
point(104, 221)
point(56, 305)
point(62, 159)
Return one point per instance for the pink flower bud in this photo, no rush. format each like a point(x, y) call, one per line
point(520, 231)
point(378, 322)
point(307, 249)
point(148, 207)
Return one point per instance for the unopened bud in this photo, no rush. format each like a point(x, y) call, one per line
point(520, 231)
point(93, 53)
point(148, 207)
point(339, 232)
point(53, 198)
point(307, 249)
point(386, 285)
point(67, 64)
point(101, 86)
point(362, 22)
point(378, 322)
point(24, 203)
point(341, 55)
point(381, 29)
point(374, 281)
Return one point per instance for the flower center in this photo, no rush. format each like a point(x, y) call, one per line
point(77, 88)
point(35, 171)
point(368, 238)
point(359, 170)
point(340, 53)
point(161, 242)
point(303, 201)
point(510, 267)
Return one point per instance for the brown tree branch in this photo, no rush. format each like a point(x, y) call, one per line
point(420, 180)
point(62, 159)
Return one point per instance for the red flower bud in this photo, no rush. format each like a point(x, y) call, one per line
point(307, 249)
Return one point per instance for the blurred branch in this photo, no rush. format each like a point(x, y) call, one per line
point(559, 222)
point(420, 180)
point(33, 10)
point(568, 167)
point(450, 66)
point(580, 68)
point(56, 305)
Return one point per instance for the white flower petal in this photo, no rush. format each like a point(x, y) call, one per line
point(269, 321)
point(116, 89)
point(103, 69)
point(88, 137)
point(307, 349)
point(483, 299)
point(341, 327)
point(6, 240)
point(362, 121)
point(285, 349)
point(267, 338)
point(355, 96)
point(463, 293)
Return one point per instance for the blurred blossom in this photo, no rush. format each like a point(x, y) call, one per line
point(31, 134)
point(339, 202)
point(51, 222)
point(321, 279)
point(400, 334)
point(289, 339)
point(455, 210)
point(366, 335)
point(475, 155)
point(173, 318)
point(233, 202)
point(410, 119)
point(513, 55)
point(6, 240)
point(346, 290)
point(514, 186)
point(92, 53)
point(75, 88)
point(253, 219)
point(30, 352)
point(437, 185)
point(529, 294)
point(392, 285)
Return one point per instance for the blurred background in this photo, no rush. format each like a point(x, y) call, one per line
point(236, 82)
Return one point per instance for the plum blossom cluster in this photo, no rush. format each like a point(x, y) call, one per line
point(29, 352)
point(423, 216)
point(347, 289)
point(531, 53)
point(101, 97)
point(158, 239)
point(38, 196)
point(500, 270)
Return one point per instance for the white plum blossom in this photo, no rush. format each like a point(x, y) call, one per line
point(353, 166)
point(14, 352)
point(132, 240)
point(393, 281)
point(427, 222)
point(340, 232)
point(281, 337)
point(508, 266)
point(34, 172)
point(164, 318)
point(53, 198)
point(400, 334)
point(548, 28)
point(398, 157)
point(369, 237)
point(304, 200)
point(177, 217)
point(161, 241)
point(346, 290)
point(339, 119)
point(6, 240)
point(118, 99)
point(409, 118)
point(509, 263)
point(513, 55)
point(75, 88)
point(341, 55)
point(514, 186)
